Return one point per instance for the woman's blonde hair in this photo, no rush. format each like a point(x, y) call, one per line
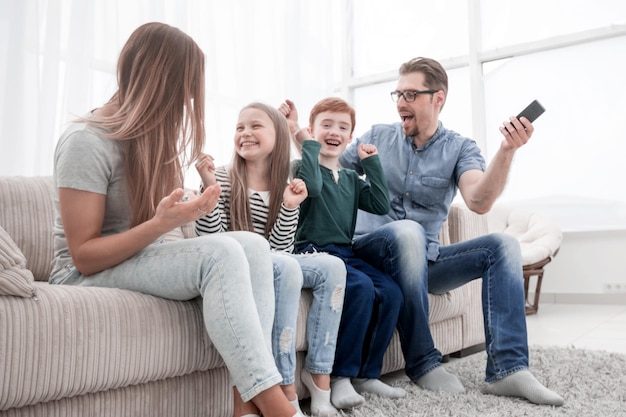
point(240, 214)
point(159, 112)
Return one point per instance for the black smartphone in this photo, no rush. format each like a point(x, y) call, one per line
point(532, 111)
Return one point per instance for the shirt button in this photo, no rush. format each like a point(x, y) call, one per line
point(410, 172)
point(407, 194)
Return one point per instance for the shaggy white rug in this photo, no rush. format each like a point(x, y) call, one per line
point(593, 383)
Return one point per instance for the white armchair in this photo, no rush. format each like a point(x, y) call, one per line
point(539, 237)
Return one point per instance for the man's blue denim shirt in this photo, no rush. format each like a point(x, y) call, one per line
point(422, 181)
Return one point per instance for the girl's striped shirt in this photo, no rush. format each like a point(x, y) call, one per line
point(282, 234)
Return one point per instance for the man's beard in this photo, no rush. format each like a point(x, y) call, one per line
point(412, 132)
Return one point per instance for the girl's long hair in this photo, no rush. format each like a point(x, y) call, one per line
point(240, 213)
point(159, 113)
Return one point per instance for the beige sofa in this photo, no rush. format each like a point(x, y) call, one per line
point(75, 351)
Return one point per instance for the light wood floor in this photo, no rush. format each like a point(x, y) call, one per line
point(584, 326)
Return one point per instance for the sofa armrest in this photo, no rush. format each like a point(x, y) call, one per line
point(464, 224)
point(27, 214)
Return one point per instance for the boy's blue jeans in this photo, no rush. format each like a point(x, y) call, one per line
point(370, 312)
point(399, 248)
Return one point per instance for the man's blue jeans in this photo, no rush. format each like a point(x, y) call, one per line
point(399, 248)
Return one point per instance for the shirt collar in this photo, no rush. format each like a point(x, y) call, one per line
point(264, 195)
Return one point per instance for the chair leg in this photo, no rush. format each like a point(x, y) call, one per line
point(538, 291)
point(526, 285)
point(532, 308)
point(534, 270)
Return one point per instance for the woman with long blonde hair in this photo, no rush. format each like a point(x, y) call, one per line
point(119, 176)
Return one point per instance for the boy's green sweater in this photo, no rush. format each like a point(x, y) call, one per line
point(328, 215)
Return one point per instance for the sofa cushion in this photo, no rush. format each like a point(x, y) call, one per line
point(15, 279)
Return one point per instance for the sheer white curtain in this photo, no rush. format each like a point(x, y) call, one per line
point(59, 56)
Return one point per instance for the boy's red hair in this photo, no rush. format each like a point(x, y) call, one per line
point(333, 105)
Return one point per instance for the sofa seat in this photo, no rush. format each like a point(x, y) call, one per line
point(71, 341)
point(444, 308)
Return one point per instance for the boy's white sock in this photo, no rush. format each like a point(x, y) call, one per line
point(342, 393)
point(378, 387)
point(441, 380)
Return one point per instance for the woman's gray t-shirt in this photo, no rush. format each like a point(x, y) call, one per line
point(86, 160)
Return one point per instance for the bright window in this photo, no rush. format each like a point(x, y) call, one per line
point(520, 52)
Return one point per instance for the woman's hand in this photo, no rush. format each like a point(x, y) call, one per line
point(82, 214)
point(179, 208)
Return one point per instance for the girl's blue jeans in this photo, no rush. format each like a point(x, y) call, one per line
point(326, 276)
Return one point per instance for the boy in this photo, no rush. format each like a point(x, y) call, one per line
point(372, 300)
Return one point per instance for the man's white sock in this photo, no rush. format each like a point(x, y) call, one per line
point(523, 384)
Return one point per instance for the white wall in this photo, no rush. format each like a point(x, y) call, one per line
point(592, 253)
point(585, 263)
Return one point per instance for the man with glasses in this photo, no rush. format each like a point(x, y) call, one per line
point(425, 164)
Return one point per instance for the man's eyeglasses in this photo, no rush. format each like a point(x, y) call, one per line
point(409, 95)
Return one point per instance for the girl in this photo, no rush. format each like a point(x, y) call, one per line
point(256, 197)
point(119, 173)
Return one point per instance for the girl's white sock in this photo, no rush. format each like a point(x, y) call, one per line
point(320, 399)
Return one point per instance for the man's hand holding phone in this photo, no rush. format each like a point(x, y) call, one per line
point(515, 132)
point(530, 113)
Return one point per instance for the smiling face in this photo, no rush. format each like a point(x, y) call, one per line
point(334, 131)
point(420, 117)
point(255, 135)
